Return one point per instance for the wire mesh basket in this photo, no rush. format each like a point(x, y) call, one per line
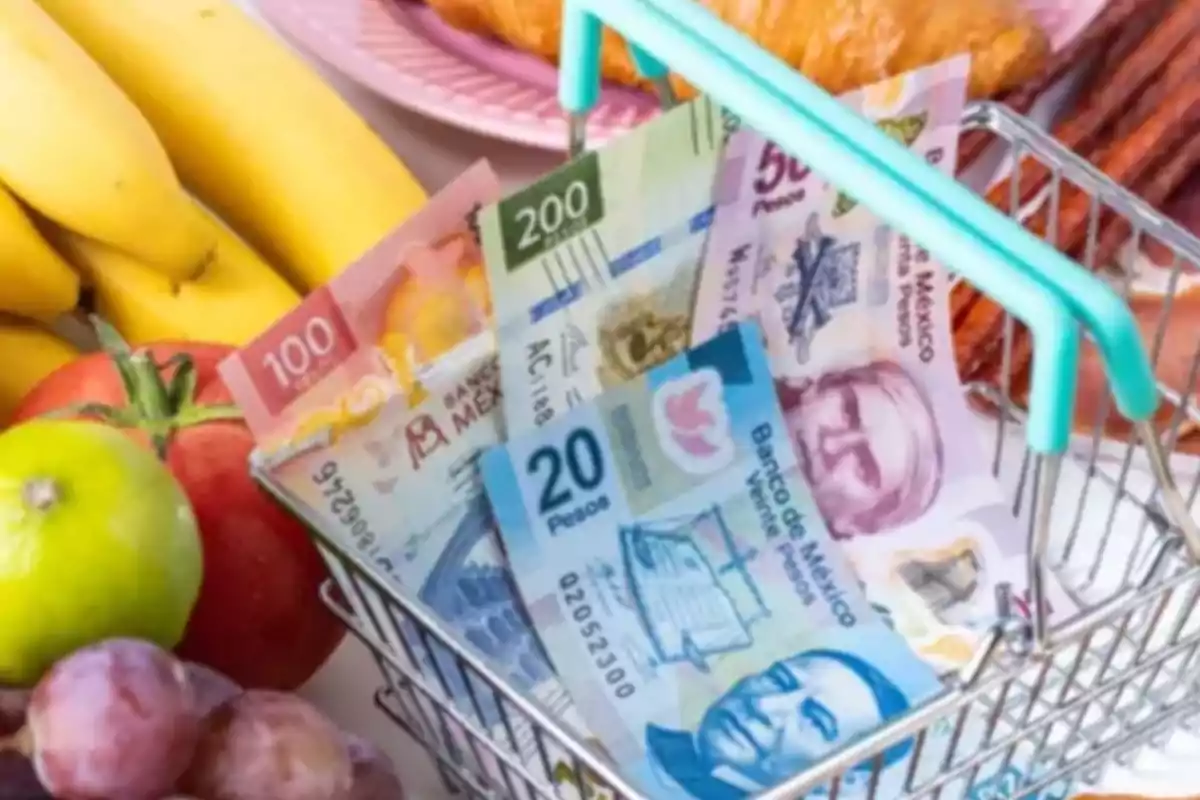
point(1040, 708)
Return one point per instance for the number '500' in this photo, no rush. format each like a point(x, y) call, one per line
point(580, 454)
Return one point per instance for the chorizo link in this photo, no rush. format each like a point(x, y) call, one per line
point(1183, 68)
point(1172, 124)
point(1079, 130)
point(1120, 19)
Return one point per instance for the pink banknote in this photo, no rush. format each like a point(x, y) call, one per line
point(858, 331)
point(370, 333)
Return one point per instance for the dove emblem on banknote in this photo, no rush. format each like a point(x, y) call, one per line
point(692, 423)
point(905, 130)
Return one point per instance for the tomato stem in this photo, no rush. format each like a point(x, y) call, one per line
point(198, 415)
point(160, 398)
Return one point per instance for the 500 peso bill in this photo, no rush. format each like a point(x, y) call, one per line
point(858, 331)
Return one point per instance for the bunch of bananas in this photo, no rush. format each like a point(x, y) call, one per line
point(182, 164)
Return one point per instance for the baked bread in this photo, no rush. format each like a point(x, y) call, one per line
point(839, 44)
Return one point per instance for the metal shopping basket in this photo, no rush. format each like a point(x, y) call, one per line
point(1049, 703)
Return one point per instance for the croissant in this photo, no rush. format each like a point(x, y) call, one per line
point(839, 44)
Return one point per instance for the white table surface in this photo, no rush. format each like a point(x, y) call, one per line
point(345, 687)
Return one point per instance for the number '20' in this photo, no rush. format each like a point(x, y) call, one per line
point(584, 467)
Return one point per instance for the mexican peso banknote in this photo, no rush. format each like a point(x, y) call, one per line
point(593, 268)
point(370, 404)
point(404, 492)
point(675, 565)
point(416, 300)
point(857, 327)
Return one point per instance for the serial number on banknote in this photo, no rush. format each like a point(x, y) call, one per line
point(342, 504)
point(539, 361)
point(592, 632)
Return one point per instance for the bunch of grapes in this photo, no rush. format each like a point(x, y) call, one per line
point(124, 720)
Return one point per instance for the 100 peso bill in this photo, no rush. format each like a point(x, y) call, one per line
point(376, 329)
point(402, 490)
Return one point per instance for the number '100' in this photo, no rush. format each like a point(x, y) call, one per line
point(296, 352)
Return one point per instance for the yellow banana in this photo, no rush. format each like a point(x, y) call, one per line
point(35, 282)
point(254, 132)
point(236, 298)
point(78, 151)
point(27, 355)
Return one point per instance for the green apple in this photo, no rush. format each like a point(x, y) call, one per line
point(97, 540)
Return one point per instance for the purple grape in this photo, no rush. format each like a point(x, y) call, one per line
point(212, 688)
point(374, 775)
point(114, 721)
point(18, 780)
point(266, 744)
point(13, 703)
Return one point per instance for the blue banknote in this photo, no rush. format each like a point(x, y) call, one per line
point(403, 491)
point(673, 561)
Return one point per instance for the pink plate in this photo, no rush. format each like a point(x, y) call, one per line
point(402, 51)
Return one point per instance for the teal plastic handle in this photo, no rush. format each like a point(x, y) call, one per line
point(985, 246)
point(581, 35)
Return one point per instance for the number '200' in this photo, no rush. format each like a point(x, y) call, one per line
point(548, 218)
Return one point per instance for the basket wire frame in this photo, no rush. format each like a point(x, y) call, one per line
point(1037, 707)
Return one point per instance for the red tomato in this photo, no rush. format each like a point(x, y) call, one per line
point(258, 618)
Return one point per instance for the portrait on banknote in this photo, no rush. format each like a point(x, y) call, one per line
point(641, 329)
point(778, 722)
point(868, 441)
